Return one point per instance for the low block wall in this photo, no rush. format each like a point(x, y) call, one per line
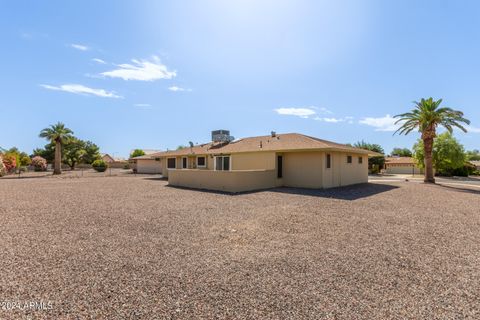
point(229, 181)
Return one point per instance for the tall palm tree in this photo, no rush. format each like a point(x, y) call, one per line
point(426, 117)
point(58, 134)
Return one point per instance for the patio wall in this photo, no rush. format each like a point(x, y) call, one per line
point(229, 181)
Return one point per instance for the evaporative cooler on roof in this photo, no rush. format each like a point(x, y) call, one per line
point(221, 136)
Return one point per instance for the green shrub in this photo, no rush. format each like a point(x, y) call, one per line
point(126, 166)
point(99, 165)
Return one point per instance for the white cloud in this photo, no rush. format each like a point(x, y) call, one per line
point(80, 47)
point(472, 129)
point(298, 112)
point(386, 123)
point(100, 61)
point(334, 120)
point(322, 110)
point(142, 70)
point(81, 89)
point(177, 89)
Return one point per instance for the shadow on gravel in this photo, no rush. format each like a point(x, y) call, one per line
point(159, 178)
point(343, 193)
point(16, 177)
point(458, 189)
point(353, 192)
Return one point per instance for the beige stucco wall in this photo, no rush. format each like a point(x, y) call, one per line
point(253, 161)
point(149, 166)
point(352, 173)
point(302, 169)
point(229, 181)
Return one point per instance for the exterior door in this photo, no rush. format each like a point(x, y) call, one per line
point(279, 167)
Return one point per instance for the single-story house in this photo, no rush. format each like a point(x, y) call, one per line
point(475, 163)
point(401, 165)
point(114, 162)
point(292, 160)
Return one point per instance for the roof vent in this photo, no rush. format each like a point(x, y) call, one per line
point(221, 136)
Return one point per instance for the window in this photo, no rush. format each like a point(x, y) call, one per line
point(349, 159)
point(329, 161)
point(222, 163)
point(279, 167)
point(171, 163)
point(360, 160)
point(184, 163)
point(201, 162)
point(157, 159)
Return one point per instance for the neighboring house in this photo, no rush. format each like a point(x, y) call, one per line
point(107, 158)
point(114, 162)
point(147, 163)
point(476, 163)
point(292, 160)
point(401, 165)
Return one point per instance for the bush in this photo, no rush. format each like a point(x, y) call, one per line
point(10, 162)
point(126, 166)
point(25, 161)
point(2, 167)
point(39, 163)
point(99, 165)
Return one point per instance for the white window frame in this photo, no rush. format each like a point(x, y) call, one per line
point(205, 165)
point(175, 163)
point(186, 163)
point(222, 156)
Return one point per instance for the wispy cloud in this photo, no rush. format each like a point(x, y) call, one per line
point(335, 120)
point(472, 129)
point(80, 47)
point(386, 123)
point(99, 61)
point(178, 89)
point(322, 110)
point(298, 112)
point(81, 89)
point(303, 112)
point(141, 70)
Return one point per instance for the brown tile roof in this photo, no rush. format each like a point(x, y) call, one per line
point(399, 160)
point(281, 142)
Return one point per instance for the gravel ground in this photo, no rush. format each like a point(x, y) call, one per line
point(128, 247)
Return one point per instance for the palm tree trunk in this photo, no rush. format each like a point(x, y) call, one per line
point(57, 168)
point(428, 151)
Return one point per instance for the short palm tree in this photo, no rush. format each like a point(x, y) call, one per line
point(426, 117)
point(58, 134)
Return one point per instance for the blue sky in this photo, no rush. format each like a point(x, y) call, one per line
point(157, 74)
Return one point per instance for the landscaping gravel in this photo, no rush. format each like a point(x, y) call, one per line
point(126, 247)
